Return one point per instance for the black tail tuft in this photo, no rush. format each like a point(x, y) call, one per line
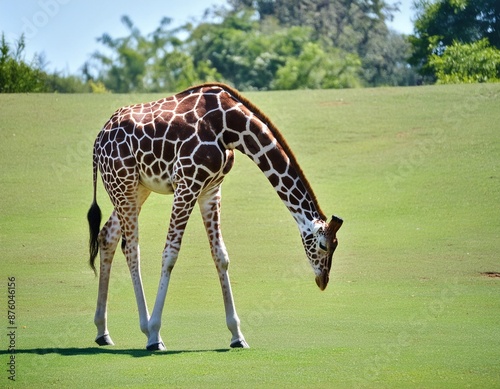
point(94, 218)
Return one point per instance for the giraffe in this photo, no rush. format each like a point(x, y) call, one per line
point(184, 145)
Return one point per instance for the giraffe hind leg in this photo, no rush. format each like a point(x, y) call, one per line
point(128, 214)
point(109, 237)
point(108, 241)
point(183, 204)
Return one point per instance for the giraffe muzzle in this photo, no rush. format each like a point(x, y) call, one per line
point(322, 280)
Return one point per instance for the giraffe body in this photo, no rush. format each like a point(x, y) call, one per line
point(184, 145)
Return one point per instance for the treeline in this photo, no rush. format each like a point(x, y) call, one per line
point(284, 44)
point(260, 45)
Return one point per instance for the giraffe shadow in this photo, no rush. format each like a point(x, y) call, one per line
point(135, 353)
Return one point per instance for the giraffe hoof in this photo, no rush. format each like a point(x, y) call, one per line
point(104, 340)
point(156, 347)
point(239, 344)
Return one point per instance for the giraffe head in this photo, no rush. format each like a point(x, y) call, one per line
point(320, 246)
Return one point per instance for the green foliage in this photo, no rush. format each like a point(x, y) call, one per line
point(440, 23)
point(152, 63)
point(19, 76)
point(241, 54)
point(253, 45)
point(15, 74)
point(355, 27)
point(467, 63)
point(313, 68)
point(253, 56)
point(259, 45)
point(97, 87)
point(66, 84)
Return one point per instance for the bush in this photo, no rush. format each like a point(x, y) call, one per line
point(467, 63)
point(19, 76)
point(15, 74)
point(314, 68)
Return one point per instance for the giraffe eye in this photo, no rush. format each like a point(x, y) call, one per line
point(322, 246)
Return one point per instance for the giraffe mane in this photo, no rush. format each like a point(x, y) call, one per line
point(274, 130)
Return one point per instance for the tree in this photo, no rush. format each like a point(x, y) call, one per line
point(16, 75)
point(260, 45)
point(253, 54)
point(124, 69)
point(233, 48)
point(19, 76)
point(314, 68)
point(440, 23)
point(151, 63)
point(467, 63)
point(353, 26)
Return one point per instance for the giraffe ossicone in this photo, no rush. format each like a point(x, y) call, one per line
point(184, 145)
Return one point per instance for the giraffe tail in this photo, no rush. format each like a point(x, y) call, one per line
point(94, 218)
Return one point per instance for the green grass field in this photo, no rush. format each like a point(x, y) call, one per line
point(414, 172)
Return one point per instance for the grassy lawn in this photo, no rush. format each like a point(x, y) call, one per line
point(414, 172)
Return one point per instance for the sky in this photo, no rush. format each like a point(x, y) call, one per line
point(65, 31)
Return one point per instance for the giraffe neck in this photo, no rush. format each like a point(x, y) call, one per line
point(253, 134)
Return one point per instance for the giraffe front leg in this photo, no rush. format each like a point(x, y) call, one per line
point(155, 342)
point(108, 241)
point(184, 200)
point(232, 319)
point(210, 211)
